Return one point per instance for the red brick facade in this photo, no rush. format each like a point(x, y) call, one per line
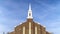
point(19, 28)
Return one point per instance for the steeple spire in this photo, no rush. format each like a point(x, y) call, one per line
point(29, 7)
point(30, 12)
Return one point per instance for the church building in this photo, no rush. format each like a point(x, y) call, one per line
point(29, 26)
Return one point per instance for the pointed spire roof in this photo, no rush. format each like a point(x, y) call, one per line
point(29, 6)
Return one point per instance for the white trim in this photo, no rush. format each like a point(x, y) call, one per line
point(29, 28)
point(23, 29)
point(35, 30)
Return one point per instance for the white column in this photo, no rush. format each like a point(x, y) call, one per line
point(29, 28)
point(35, 30)
point(23, 29)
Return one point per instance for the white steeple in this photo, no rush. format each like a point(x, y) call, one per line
point(29, 12)
point(29, 7)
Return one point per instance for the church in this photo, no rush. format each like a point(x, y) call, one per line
point(30, 26)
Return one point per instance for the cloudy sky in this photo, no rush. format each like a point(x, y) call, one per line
point(13, 12)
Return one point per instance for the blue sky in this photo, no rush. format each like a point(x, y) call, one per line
point(13, 12)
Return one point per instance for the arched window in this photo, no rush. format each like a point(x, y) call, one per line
point(29, 14)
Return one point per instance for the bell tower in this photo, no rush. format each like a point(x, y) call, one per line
point(30, 12)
